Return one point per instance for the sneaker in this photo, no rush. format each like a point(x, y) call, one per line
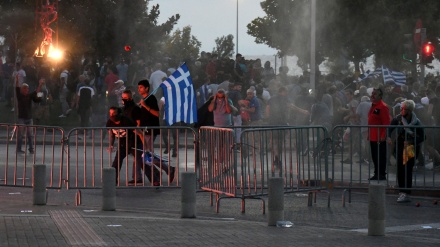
point(139, 181)
point(20, 151)
point(375, 177)
point(31, 151)
point(174, 154)
point(166, 151)
point(13, 109)
point(68, 112)
point(62, 115)
point(156, 183)
point(171, 174)
point(403, 197)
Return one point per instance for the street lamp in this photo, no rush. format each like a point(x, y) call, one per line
point(236, 38)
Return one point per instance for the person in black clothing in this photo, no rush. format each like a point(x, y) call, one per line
point(84, 98)
point(149, 113)
point(24, 102)
point(408, 143)
point(149, 117)
point(129, 142)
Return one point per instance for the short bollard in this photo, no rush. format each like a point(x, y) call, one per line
point(39, 189)
point(376, 210)
point(276, 201)
point(109, 189)
point(188, 200)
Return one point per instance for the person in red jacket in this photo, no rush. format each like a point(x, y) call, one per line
point(379, 114)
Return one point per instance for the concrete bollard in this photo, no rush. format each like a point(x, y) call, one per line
point(189, 187)
point(276, 201)
point(376, 210)
point(109, 189)
point(39, 192)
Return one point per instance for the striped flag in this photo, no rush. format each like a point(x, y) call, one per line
point(395, 77)
point(180, 99)
point(369, 74)
point(389, 76)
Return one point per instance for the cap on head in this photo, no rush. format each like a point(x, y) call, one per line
point(25, 85)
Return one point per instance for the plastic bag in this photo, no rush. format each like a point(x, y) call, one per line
point(408, 153)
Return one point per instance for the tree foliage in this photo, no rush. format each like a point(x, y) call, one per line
point(224, 46)
point(355, 29)
point(99, 27)
point(182, 46)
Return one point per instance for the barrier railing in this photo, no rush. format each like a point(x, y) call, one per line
point(242, 170)
point(304, 156)
point(89, 153)
point(26, 145)
point(352, 163)
point(217, 171)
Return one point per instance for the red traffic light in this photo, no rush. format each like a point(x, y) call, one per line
point(428, 48)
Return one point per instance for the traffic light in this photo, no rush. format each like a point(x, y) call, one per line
point(427, 53)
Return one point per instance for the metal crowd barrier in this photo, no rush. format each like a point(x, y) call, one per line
point(242, 170)
point(351, 162)
point(47, 146)
point(88, 154)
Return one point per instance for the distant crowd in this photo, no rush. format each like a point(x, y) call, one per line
point(333, 101)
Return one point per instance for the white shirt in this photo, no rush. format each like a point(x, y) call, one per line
point(64, 74)
point(156, 79)
point(19, 75)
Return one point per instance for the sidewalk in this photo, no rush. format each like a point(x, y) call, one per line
point(151, 217)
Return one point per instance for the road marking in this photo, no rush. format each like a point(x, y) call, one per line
point(404, 228)
point(75, 229)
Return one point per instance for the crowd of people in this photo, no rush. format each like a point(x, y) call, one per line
point(231, 92)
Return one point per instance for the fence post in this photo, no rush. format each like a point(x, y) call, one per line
point(188, 199)
point(376, 210)
point(276, 201)
point(39, 189)
point(109, 189)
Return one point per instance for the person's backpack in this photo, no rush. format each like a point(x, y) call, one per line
point(85, 96)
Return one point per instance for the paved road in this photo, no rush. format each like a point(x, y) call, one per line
point(151, 217)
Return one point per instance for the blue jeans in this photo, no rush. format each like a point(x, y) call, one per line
point(28, 134)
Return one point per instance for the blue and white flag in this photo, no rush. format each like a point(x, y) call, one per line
point(369, 74)
point(389, 76)
point(180, 99)
point(395, 77)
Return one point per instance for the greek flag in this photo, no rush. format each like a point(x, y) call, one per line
point(369, 74)
point(180, 99)
point(395, 77)
point(389, 76)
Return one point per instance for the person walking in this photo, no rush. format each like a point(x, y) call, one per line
point(379, 114)
point(128, 142)
point(149, 117)
point(408, 143)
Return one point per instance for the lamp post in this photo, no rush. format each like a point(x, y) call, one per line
point(236, 38)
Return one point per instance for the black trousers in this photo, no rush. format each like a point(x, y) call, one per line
point(379, 157)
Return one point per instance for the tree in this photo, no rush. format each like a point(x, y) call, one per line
point(182, 47)
point(17, 27)
point(224, 46)
point(99, 27)
point(355, 29)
